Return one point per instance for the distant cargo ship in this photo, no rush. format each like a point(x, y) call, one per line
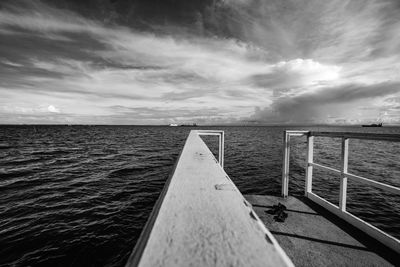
point(188, 125)
point(372, 125)
point(183, 125)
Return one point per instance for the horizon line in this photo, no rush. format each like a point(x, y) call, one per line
point(183, 125)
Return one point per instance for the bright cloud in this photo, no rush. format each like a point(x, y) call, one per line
point(53, 109)
point(311, 70)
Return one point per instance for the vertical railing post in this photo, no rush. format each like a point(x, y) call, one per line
point(285, 167)
point(309, 167)
point(343, 178)
point(221, 143)
point(221, 149)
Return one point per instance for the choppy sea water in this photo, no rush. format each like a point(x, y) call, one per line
point(80, 195)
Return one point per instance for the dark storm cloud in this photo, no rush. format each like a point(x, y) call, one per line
point(306, 107)
point(149, 11)
point(334, 95)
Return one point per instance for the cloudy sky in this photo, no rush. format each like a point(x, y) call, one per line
point(209, 62)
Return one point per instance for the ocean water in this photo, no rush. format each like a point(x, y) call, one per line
point(80, 195)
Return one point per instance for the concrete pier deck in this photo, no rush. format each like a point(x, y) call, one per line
point(312, 236)
point(201, 219)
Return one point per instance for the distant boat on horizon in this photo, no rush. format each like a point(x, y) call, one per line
point(373, 125)
point(189, 125)
point(183, 125)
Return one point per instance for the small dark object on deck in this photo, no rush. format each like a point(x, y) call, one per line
point(279, 211)
point(276, 209)
point(281, 217)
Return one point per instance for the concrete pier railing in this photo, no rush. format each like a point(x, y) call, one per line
point(340, 210)
point(201, 218)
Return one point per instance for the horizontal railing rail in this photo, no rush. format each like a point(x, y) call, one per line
point(340, 210)
point(366, 136)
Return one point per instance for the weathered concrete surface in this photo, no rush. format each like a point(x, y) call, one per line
point(311, 236)
point(202, 219)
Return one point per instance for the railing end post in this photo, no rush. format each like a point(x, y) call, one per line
point(221, 148)
point(309, 167)
point(343, 177)
point(285, 167)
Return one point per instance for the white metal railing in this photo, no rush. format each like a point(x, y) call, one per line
point(286, 154)
point(221, 141)
point(340, 210)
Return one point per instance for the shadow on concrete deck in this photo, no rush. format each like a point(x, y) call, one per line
point(321, 241)
point(312, 236)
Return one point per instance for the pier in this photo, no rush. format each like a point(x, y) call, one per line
point(312, 236)
point(202, 219)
